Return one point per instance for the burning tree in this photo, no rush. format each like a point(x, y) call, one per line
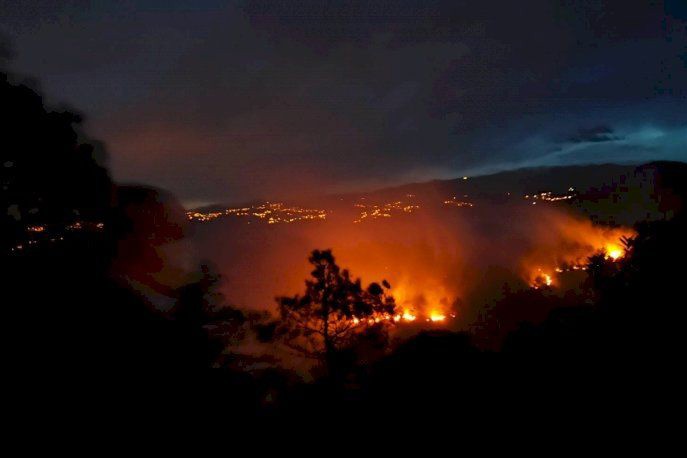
point(334, 312)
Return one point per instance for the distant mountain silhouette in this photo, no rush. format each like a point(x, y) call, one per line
point(608, 193)
point(517, 182)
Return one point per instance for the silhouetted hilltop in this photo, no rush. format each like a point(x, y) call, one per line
point(606, 193)
point(517, 182)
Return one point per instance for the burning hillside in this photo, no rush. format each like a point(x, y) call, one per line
point(567, 246)
point(433, 251)
point(450, 251)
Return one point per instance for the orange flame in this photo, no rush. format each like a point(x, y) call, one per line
point(576, 248)
point(436, 316)
point(614, 252)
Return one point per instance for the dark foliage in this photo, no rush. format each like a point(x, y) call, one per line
point(79, 255)
point(636, 311)
point(332, 316)
point(48, 175)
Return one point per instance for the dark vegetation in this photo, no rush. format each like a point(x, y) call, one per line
point(79, 253)
point(79, 294)
point(322, 324)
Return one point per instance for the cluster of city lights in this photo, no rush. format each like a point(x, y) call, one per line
point(548, 196)
point(269, 212)
point(455, 202)
point(277, 212)
point(40, 234)
point(387, 210)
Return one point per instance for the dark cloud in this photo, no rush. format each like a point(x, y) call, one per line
point(6, 50)
point(232, 100)
point(594, 135)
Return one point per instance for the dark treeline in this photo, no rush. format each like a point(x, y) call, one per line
point(82, 288)
point(81, 258)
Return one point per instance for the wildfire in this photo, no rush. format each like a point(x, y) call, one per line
point(406, 316)
point(436, 316)
point(542, 279)
point(403, 317)
point(614, 252)
point(567, 245)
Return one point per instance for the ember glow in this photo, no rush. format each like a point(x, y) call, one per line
point(400, 318)
point(403, 318)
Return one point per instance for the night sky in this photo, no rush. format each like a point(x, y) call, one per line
point(230, 101)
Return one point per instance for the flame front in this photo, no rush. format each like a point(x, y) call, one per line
point(436, 316)
point(574, 256)
point(614, 252)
